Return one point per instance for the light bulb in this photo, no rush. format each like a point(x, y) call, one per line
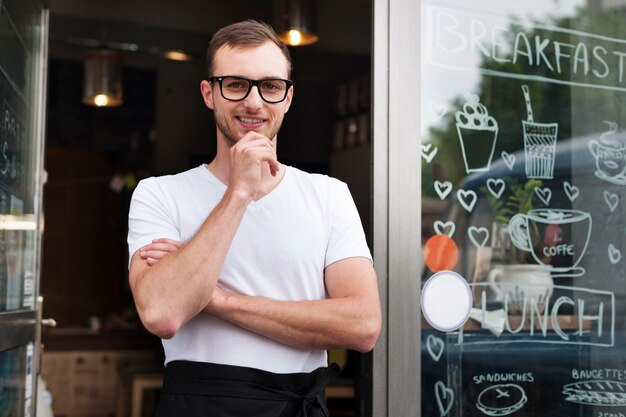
point(295, 37)
point(101, 100)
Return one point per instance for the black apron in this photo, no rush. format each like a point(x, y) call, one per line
point(198, 389)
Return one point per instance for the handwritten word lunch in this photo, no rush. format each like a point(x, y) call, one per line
point(594, 324)
point(561, 55)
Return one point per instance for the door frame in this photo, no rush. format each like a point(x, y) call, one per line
point(397, 205)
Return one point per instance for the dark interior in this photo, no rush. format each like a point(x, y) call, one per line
point(95, 156)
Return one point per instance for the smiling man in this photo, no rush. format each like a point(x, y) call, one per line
point(249, 270)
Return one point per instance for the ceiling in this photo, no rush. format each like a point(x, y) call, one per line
point(344, 26)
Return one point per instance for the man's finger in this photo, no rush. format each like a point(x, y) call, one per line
point(176, 243)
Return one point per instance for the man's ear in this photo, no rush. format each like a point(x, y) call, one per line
point(207, 93)
point(288, 99)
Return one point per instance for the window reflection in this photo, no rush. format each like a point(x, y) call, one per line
point(523, 154)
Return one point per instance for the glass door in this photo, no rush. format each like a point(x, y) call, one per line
point(23, 42)
point(523, 192)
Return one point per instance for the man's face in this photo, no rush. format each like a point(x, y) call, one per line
point(236, 118)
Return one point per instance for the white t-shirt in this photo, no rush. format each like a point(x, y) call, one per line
point(284, 242)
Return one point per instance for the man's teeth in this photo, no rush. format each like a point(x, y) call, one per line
point(250, 121)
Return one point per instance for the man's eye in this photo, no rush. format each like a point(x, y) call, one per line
point(235, 84)
point(272, 86)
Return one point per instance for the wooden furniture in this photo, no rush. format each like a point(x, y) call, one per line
point(83, 383)
point(135, 381)
point(82, 368)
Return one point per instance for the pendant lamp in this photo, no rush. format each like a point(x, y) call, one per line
point(102, 84)
point(296, 21)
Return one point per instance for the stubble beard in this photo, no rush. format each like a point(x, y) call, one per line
point(232, 137)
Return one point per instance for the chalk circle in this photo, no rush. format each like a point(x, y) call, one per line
point(440, 253)
point(446, 301)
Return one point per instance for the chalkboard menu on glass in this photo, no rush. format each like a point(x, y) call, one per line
point(523, 153)
point(23, 33)
point(19, 152)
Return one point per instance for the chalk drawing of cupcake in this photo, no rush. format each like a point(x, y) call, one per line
point(478, 133)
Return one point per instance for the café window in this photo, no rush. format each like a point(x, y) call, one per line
point(523, 161)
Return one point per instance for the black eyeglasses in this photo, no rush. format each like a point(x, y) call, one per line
point(271, 90)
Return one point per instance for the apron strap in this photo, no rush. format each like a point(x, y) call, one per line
point(313, 399)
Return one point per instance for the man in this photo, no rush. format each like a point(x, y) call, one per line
point(273, 268)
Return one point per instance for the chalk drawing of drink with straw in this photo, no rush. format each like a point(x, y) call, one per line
point(539, 143)
point(477, 133)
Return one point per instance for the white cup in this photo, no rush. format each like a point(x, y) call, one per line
point(521, 286)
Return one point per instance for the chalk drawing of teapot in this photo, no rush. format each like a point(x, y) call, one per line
point(610, 156)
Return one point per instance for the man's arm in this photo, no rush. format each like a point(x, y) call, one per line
point(174, 290)
point(169, 293)
point(350, 318)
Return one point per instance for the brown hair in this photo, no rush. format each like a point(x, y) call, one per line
point(248, 33)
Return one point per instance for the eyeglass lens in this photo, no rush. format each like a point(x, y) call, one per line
point(271, 90)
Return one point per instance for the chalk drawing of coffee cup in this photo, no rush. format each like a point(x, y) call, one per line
point(477, 133)
point(610, 156)
point(555, 237)
point(539, 143)
point(521, 287)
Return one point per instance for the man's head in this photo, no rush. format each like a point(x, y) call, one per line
point(248, 87)
point(246, 34)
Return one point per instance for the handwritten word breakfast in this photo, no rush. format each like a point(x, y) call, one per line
point(558, 54)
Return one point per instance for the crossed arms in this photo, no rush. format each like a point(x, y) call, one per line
point(172, 283)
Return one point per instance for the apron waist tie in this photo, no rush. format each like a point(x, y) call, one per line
point(311, 397)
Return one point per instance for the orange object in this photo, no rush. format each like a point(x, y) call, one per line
point(440, 253)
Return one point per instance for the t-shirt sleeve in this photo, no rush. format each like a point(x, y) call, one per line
point(347, 239)
point(149, 216)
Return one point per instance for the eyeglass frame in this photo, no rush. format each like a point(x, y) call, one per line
point(252, 83)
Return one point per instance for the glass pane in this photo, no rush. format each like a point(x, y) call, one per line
point(16, 382)
point(524, 187)
point(20, 101)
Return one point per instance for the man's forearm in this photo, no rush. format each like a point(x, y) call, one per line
point(349, 318)
point(177, 288)
point(322, 324)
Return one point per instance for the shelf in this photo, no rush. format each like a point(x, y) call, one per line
point(564, 321)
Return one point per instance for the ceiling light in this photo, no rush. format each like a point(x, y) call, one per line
point(177, 55)
point(102, 84)
point(296, 21)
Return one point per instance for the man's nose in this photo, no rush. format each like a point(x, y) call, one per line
point(254, 99)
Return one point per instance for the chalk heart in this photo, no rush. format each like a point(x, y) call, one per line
point(467, 198)
point(447, 228)
point(435, 347)
point(614, 254)
point(443, 188)
point(428, 152)
point(544, 194)
point(508, 159)
point(571, 190)
point(496, 186)
point(445, 398)
point(611, 199)
point(478, 235)
point(438, 110)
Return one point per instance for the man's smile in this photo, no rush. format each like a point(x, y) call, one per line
point(250, 122)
